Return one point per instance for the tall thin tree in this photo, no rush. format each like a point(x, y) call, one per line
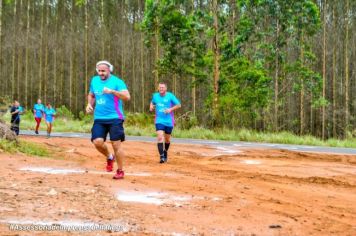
point(347, 79)
point(216, 53)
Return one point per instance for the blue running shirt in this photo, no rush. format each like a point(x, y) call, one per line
point(49, 114)
point(39, 108)
point(107, 106)
point(162, 103)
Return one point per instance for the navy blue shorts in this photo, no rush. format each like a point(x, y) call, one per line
point(166, 129)
point(114, 127)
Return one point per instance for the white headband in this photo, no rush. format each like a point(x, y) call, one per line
point(111, 67)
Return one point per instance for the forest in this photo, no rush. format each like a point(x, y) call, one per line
point(265, 65)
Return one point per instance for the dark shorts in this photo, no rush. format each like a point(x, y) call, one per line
point(114, 127)
point(166, 129)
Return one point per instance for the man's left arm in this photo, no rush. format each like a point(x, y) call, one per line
point(123, 95)
point(121, 92)
point(176, 106)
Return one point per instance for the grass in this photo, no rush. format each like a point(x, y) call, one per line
point(27, 148)
point(138, 124)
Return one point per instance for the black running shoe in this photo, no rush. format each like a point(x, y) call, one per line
point(165, 159)
point(161, 159)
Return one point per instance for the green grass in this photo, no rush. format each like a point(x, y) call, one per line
point(138, 124)
point(24, 147)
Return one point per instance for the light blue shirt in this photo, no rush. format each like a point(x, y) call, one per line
point(49, 114)
point(107, 106)
point(39, 109)
point(162, 103)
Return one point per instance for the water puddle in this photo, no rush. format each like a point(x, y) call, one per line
point(148, 197)
point(159, 198)
point(227, 150)
point(56, 171)
point(251, 162)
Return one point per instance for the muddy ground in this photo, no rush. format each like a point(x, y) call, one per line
point(202, 190)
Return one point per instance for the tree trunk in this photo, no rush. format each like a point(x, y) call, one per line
point(216, 60)
point(324, 70)
point(123, 46)
point(14, 54)
point(71, 58)
point(302, 92)
point(276, 75)
point(45, 68)
point(102, 26)
point(27, 51)
point(19, 56)
point(86, 48)
point(142, 63)
point(2, 85)
point(334, 75)
point(347, 82)
point(156, 55)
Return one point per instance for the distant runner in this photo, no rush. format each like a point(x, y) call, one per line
point(164, 103)
point(16, 110)
point(106, 96)
point(50, 113)
point(38, 111)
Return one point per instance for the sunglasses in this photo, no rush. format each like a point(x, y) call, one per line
point(101, 70)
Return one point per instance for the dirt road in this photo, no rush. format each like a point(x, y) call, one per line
point(201, 190)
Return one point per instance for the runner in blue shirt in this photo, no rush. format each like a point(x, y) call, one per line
point(164, 103)
point(50, 113)
point(105, 98)
point(38, 111)
point(16, 110)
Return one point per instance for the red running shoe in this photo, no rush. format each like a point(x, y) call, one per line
point(119, 174)
point(110, 164)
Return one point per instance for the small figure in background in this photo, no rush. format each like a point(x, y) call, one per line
point(38, 111)
point(50, 113)
point(16, 110)
point(164, 103)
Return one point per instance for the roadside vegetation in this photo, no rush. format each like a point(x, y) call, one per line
point(24, 147)
point(139, 124)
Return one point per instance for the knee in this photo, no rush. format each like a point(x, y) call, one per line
point(98, 142)
point(167, 138)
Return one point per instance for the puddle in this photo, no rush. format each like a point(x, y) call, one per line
point(159, 198)
point(148, 197)
point(226, 150)
point(56, 171)
point(251, 162)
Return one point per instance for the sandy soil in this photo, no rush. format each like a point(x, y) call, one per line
point(202, 190)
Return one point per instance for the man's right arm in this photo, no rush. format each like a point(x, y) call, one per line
point(91, 100)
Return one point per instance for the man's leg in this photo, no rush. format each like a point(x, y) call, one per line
point(119, 153)
point(160, 139)
point(101, 146)
point(117, 136)
point(167, 142)
point(49, 128)
point(38, 121)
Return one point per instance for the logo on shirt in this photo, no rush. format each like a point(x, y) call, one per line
point(101, 101)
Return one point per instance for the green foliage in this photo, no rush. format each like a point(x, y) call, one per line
point(179, 32)
point(85, 118)
point(139, 119)
point(187, 121)
point(64, 112)
point(23, 147)
point(243, 88)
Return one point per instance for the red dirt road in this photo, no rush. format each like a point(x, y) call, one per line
point(200, 191)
